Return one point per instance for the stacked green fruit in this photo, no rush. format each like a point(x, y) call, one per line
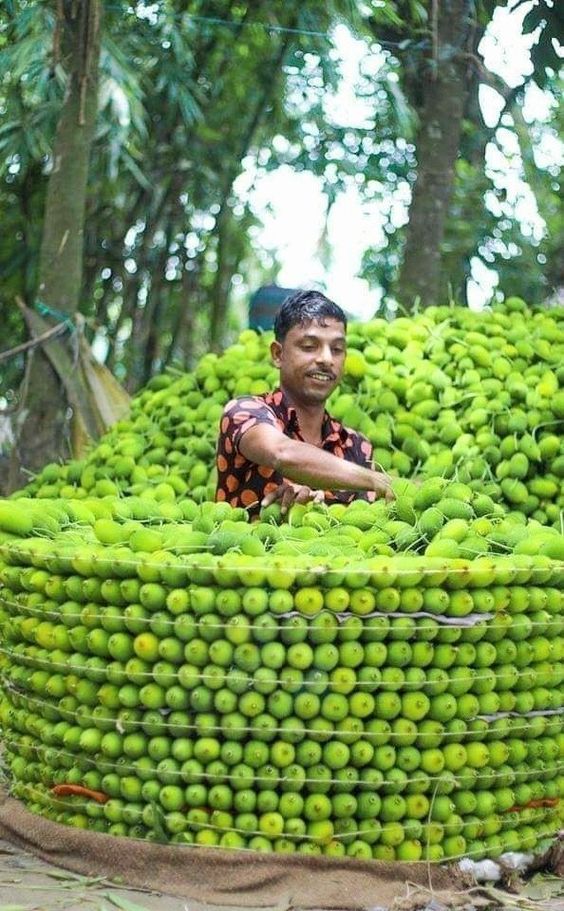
point(473, 397)
point(175, 673)
point(437, 517)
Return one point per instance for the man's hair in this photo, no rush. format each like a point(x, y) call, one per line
point(304, 307)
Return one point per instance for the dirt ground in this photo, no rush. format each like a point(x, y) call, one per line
point(29, 884)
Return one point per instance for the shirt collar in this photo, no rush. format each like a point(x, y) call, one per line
point(332, 431)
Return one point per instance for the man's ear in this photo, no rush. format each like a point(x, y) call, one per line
point(276, 352)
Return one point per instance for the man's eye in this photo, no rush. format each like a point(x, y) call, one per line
point(338, 350)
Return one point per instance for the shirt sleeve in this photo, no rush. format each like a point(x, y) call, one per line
point(241, 414)
point(360, 452)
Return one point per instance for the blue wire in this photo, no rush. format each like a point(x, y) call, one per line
point(59, 315)
point(268, 28)
point(229, 23)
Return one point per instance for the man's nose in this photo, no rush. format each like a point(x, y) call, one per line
point(325, 355)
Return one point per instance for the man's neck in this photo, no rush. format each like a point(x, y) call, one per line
point(310, 417)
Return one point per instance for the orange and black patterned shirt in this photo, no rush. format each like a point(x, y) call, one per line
point(244, 483)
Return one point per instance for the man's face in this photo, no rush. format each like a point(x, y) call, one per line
point(311, 359)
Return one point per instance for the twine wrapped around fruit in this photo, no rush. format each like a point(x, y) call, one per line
point(166, 683)
point(377, 681)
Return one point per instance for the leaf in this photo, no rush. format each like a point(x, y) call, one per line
point(59, 874)
point(67, 876)
point(544, 887)
point(135, 171)
point(158, 824)
point(124, 903)
point(404, 113)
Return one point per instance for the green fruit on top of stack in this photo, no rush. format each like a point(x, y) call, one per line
point(353, 681)
point(477, 398)
point(438, 517)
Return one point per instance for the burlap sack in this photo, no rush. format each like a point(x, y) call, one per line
point(212, 876)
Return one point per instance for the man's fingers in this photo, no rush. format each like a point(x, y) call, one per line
point(288, 497)
point(270, 497)
point(304, 495)
point(383, 486)
point(287, 494)
point(387, 493)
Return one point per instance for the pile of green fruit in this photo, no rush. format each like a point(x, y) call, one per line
point(436, 517)
point(472, 397)
point(377, 681)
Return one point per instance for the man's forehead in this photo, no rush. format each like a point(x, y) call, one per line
point(316, 328)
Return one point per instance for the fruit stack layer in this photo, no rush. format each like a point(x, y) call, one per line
point(447, 393)
point(396, 707)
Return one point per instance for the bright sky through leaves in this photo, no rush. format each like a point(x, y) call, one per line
point(292, 205)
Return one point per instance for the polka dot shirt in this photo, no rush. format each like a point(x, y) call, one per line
point(244, 483)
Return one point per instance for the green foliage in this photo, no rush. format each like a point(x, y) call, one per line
point(549, 21)
point(480, 221)
point(187, 93)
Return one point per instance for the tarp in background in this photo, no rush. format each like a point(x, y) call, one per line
point(96, 397)
point(212, 876)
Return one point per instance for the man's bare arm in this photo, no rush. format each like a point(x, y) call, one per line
point(306, 464)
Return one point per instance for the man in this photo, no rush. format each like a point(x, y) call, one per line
point(283, 446)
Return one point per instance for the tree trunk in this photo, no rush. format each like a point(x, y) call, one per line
point(43, 432)
point(220, 290)
point(182, 344)
point(445, 87)
point(152, 328)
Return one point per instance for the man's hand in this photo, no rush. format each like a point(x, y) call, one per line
point(288, 493)
point(383, 486)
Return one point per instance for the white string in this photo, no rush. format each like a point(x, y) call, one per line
point(489, 563)
point(442, 620)
point(332, 686)
point(336, 836)
point(213, 777)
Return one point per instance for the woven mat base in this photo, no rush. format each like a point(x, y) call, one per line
point(213, 876)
